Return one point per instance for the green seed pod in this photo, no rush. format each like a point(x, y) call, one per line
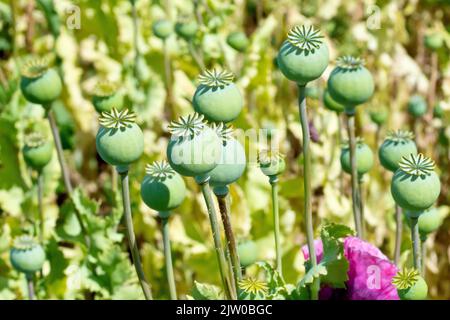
point(398, 144)
point(238, 41)
point(331, 104)
point(194, 148)
point(429, 222)
point(162, 188)
point(364, 158)
point(379, 117)
point(26, 255)
point(217, 97)
point(271, 162)
point(252, 289)
point(434, 41)
point(417, 106)
point(39, 83)
point(410, 285)
point(248, 253)
point(106, 97)
point(303, 57)
point(37, 151)
point(350, 83)
point(186, 30)
point(162, 28)
point(233, 162)
point(313, 92)
point(415, 186)
point(119, 140)
point(438, 111)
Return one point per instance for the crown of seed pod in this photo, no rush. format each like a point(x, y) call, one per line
point(217, 97)
point(415, 186)
point(398, 144)
point(364, 157)
point(194, 149)
point(271, 162)
point(162, 189)
point(37, 151)
point(39, 83)
point(107, 97)
point(410, 285)
point(119, 140)
point(252, 289)
point(27, 255)
point(350, 83)
point(304, 56)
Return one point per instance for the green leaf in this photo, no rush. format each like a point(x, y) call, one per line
point(313, 273)
point(203, 291)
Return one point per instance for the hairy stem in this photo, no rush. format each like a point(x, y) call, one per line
point(40, 196)
point(276, 223)
point(315, 286)
point(398, 234)
point(30, 286)
point(65, 171)
point(416, 243)
point(168, 258)
point(224, 208)
point(131, 236)
point(354, 174)
point(423, 240)
point(206, 191)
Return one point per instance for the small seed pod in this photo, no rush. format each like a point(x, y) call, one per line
point(26, 255)
point(410, 285)
point(438, 111)
point(233, 162)
point(434, 41)
point(248, 253)
point(119, 140)
point(331, 104)
point(398, 144)
point(107, 97)
point(417, 106)
point(364, 158)
point(271, 162)
point(350, 83)
point(187, 29)
point(162, 188)
point(379, 117)
point(252, 289)
point(304, 56)
point(39, 83)
point(429, 222)
point(415, 186)
point(194, 148)
point(162, 28)
point(313, 92)
point(37, 151)
point(217, 97)
point(238, 41)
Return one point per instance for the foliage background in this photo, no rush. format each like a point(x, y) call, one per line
point(104, 48)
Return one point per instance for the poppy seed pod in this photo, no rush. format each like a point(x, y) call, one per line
point(410, 285)
point(271, 162)
point(107, 97)
point(26, 255)
point(364, 158)
point(37, 151)
point(398, 144)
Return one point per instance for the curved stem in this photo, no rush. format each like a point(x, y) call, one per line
point(65, 171)
point(416, 243)
point(206, 191)
point(398, 233)
point(315, 286)
point(168, 258)
point(354, 173)
point(131, 236)
point(224, 208)
point(40, 194)
point(276, 222)
point(30, 286)
point(198, 60)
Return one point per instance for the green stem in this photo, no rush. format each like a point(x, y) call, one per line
point(398, 234)
point(131, 236)
point(416, 243)
point(65, 171)
point(40, 192)
point(354, 174)
point(340, 140)
point(135, 38)
point(206, 191)
point(198, 60)
point(423, 240)
point(315, 286)
point(276, 222)
point(168, 80)
point(361, 205)
point(223, 201)
point(30, 286)
point(168, 258)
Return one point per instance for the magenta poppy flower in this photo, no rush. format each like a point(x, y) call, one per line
point(370, 272)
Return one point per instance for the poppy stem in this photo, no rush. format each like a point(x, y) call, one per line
point(398, 234)
point(423, 240)
point(276, 223)
point(416, 243)
point(30, 286)
point(168, 258)
point(40, 196)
